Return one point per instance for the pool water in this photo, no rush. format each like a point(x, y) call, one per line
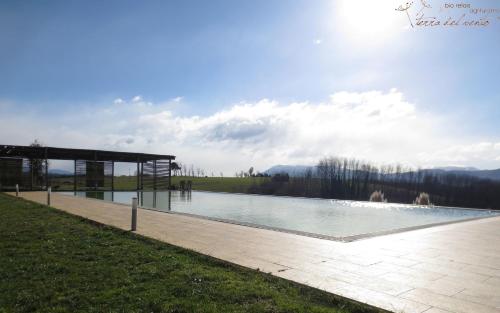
point(338, 219)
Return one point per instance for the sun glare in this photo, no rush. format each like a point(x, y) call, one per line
point(367, 20)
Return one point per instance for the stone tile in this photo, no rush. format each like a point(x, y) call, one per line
point(399, 261)
point(420, 273)
point(436, 310)
point(438, 261)
point(440, 286)
point(462, 274)
point(489, 297)
point(374, 283)
point(369, 270)
point(363, 260)
point(488, 271)
point(381, 300)
point(493, 281)
point(446, 303)
point(312, 279)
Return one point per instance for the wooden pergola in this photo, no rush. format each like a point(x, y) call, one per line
point(90, 165)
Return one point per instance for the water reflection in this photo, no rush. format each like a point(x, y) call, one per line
point(147, 199)
point(155, 200)
point(185, 196)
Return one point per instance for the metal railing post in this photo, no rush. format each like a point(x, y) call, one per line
point(49, 190)
point(17, 190)
point(134, 214)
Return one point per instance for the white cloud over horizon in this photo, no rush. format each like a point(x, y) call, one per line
point(376, 126)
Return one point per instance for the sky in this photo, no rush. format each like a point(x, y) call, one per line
point(226, 85)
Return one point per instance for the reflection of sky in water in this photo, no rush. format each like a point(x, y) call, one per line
point(337, 218)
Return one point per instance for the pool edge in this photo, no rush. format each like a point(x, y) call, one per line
point(345, 239)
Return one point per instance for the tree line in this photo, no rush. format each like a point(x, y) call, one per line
point(189, 170)
point(352, 179)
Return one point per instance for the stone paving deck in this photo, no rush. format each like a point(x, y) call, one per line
point(451, 268)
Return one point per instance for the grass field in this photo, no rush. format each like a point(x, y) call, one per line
point(222, 184)
point(51, 261)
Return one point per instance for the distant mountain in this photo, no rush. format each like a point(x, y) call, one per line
point(291, 170)
point(299, 170)
point(486, 174)
point(60, 172)
point(457, 168)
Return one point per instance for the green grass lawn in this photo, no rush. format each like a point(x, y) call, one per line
point(51, 261)
point(221, 184)
point(224, 184)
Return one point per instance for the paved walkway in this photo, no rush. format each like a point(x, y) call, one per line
point(451, 268)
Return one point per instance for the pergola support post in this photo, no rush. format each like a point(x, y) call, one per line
point(154, 174)
point(169, 174)
point(138, 174)
point(94, 165)
point(46, 170)
point(74, 176)
point(112, 176)
point(142, 175)
point(31, 175)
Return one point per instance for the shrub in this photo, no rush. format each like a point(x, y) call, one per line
point(423, 199)
point(377, 196)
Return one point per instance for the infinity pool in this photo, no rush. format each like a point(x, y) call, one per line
point(334, 219)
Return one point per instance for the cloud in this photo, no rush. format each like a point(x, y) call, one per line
point(382, 127)
point(466, 154)
point(317, 41)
